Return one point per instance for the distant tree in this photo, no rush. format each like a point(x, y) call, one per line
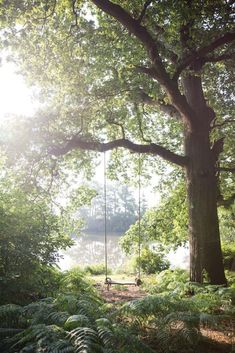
point(122, 209)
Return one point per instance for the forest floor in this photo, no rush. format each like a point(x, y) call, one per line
point(120, 293)
point(214, 341)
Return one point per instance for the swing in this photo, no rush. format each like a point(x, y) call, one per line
point(108, 281)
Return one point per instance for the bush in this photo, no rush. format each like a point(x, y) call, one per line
point(151, 261)
point(229, 256)
point(98, 269)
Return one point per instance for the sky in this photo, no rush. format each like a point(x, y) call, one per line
point(15, 96)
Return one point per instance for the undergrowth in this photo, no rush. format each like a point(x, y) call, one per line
point(78, 320)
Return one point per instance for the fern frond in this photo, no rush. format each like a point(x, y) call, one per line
point(190, 319)
point(62, 346)
point(11, 315)
point(38, 312)
point(85, 340)
point(42, 335)
point(57, 317)
point(66, 302)
point(89, 308)
point(75, 321)
point(155, 305)
point(9, 332)
point(127, 342)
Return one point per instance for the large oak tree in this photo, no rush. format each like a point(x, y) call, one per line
point(153, 77)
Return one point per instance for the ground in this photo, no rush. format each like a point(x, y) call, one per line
point(119, 293)
point(215, 341)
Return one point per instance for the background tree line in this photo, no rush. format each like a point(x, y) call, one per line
point(122, 208)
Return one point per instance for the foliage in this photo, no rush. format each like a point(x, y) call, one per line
point(127, 81)
point(30, 238)
point(68, 323)
point(151, 261)
point(229, 255)
point(173, 281)
point(177, 311)
point(166, 225)
point(79, 321)
point(173, 323)
point(98, 269)
point(206, 298)
point(227, 223)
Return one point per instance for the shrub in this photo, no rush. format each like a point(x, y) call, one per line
point(96, 270)
point(151, 262)
point(229, 256)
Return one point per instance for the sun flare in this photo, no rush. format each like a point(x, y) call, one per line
point(16, 97)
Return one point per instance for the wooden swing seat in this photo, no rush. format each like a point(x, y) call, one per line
point(109, 282)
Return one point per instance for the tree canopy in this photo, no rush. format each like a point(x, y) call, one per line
point(152, 77)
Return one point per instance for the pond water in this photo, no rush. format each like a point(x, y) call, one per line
point(89, 250)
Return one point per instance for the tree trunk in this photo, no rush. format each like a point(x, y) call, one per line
point(205, 246)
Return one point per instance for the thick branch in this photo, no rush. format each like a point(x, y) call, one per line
point(225, 39)
point(226, 169)
point(200, 55)
point(158, 71)
point(222, 57)
point(165, 108)
point(152, 148)
point(226, 121)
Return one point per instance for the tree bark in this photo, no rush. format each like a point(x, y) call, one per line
point(204, 235)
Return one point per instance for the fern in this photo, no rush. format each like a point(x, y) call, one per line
point(89, 308)
point(106, 334)
point(11, 316)
point(41, 337)
point(155, 306)
point(57, 318)
point(76, 321)
point(128, 342)
point(85, 340)
point(38, 312)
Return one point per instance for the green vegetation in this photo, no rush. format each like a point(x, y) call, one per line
point(77, 319)
point(148, 77)
point(122, 209)
point(95, 270)
point(151, 262)
point(152, 84)
point(30, 237)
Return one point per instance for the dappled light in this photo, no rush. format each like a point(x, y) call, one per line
point(117, 203)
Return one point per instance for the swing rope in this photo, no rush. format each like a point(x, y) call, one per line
point(108, 280)
point(105, 220)
point(139, 218)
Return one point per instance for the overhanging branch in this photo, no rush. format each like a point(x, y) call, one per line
point(222, 57)
point(226, 169)
point(168, 109)
point(80, 143)
point(200, 55)
point(226, 121)
point(224, 39)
